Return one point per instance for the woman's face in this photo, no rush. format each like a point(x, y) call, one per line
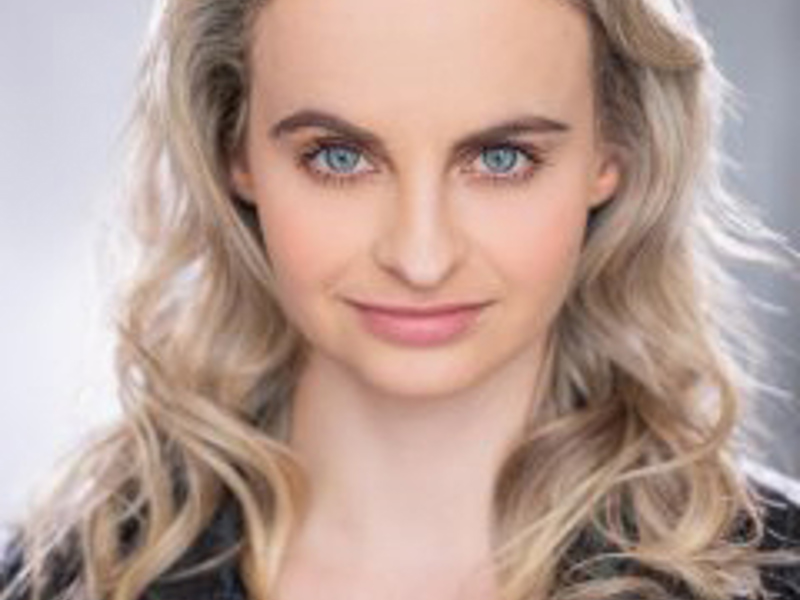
point(421, 153)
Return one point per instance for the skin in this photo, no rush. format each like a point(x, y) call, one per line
point(402, 444)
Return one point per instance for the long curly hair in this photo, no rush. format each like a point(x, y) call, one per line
point(634, 447)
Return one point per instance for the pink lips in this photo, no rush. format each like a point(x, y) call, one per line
point(419, 326)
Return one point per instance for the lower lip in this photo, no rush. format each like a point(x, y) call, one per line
point(419, 330)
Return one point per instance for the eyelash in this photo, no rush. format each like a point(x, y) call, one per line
point(533, 155)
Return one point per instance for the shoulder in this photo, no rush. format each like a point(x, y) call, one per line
point(779, 496)
point(61, 567)
point(207, 570)
point(771, 480)
point(11, 562)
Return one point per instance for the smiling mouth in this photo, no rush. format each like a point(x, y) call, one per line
point(419, 311)
point(418, 326)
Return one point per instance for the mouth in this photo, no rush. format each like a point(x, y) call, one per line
point(417, 325)
point(420, 310)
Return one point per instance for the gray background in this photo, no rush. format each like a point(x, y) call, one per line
point(67, 81)
point(758, 47)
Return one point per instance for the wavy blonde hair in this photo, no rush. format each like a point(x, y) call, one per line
point(633, 449)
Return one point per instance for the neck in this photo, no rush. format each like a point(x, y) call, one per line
point(396, 480)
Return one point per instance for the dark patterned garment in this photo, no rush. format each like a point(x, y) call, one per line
point(782, 527)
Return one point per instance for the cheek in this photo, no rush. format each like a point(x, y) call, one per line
point(551, 245)
point(538, 245)
point(309, 244)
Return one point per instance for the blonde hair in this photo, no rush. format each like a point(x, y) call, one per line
point(633, 450)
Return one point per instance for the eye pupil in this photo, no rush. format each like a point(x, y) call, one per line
point(500, 159)
point(333, 162)
point(341, 159)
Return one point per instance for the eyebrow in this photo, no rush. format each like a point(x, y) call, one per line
point(526, 123)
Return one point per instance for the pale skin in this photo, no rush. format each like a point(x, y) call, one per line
point(402, 444)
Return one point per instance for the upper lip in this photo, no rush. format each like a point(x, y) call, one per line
point(418, 310)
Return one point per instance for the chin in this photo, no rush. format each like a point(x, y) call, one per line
point(424, 376)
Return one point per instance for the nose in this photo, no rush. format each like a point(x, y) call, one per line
point(422, 243)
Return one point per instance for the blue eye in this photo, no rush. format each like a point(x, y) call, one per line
point(332, 161)
point(339, 158)
point(509, 163)
point(501, 158)
point(337, 162)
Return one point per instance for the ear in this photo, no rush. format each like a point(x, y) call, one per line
point(241, 178)
point(607, 177)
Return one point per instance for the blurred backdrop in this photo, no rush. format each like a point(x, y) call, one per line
point(67, 83)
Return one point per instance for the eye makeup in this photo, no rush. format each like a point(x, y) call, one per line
point(531, 157)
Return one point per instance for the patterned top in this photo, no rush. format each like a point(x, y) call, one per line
point(782, 530)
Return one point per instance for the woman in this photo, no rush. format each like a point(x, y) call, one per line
point(429, 305)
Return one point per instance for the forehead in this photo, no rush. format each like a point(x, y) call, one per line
point(423, 58)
